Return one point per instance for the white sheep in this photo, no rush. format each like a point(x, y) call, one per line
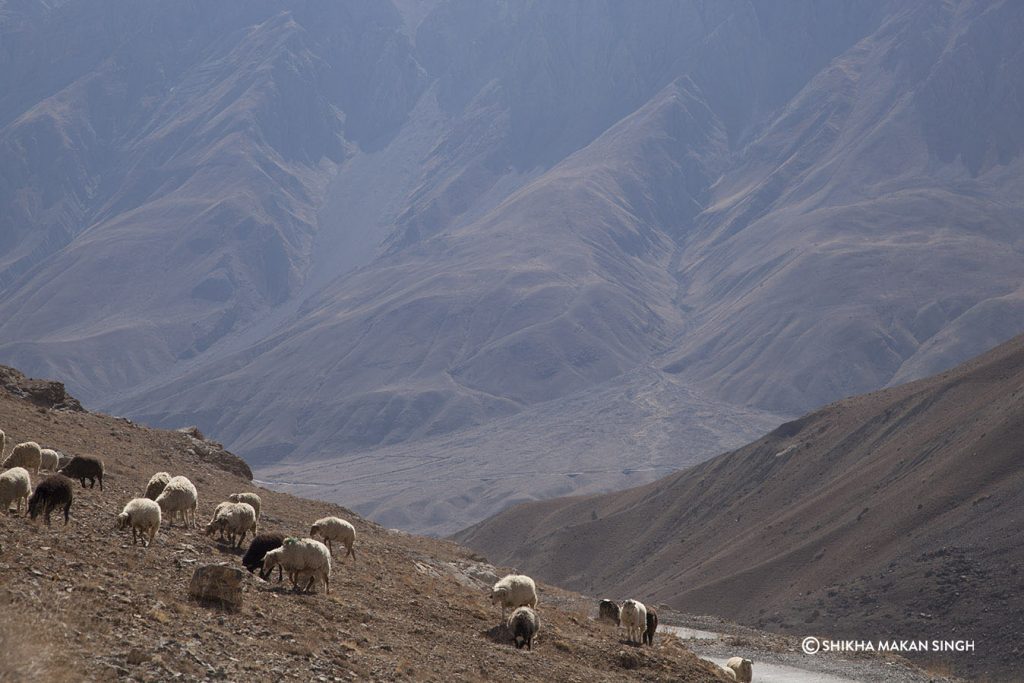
point(143, 516)
point(742, 669)
point(237, 519)
point(27, 455)
point(216, 514)
point(302, 558)
point(633, 617)
point(523, 624)
point(156, 484)
point(335, 529)
point(514, 590)
point(250, 498)
point(179, 496)
point(49, 459)
point(15, 486)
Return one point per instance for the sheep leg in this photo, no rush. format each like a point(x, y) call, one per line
point(67, 512)
point(134, 540)
point(352, 552)
point(101, 482)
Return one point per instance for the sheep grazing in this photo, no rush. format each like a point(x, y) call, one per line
point(179, 497)
point(742, 669)
point(15, 486)
point(652, 626)
point(634, 617)
point(608, 611)
point(250, 498)
point(216, 514)
point(301, 558)
point(156, 484)
point(514, 590)
point(28, 455)
point(237, 519)
point(50, 494)
point(49, 460)
point(523, 623)
point(335, 529)
point(143, 516)
point(84, 467)
point(263, 543)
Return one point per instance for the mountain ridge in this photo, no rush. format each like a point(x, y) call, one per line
point(386, 224)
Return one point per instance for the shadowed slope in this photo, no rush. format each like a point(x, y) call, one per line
point(893, 514)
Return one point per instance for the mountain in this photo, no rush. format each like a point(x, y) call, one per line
point(334, 235)
point(889, 515)
point(93, 606)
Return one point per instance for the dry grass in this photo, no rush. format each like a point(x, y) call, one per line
point(29, 653)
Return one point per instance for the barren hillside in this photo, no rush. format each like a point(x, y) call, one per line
point(83, 603)
point(892, 514)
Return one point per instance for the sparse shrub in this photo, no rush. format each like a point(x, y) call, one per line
point(629, 660)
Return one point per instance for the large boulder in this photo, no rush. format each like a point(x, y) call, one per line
point(217, 584)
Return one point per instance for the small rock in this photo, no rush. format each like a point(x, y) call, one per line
point(137, 656)
point(217, 583)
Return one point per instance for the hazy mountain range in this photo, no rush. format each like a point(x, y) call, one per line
point(366, 233)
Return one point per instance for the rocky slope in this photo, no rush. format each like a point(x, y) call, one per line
point(385, 224)
point(889, 515)
point(83, 603)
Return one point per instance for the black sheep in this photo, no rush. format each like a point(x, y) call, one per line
point(608, 611)
point(524, 624)
point(49, 495)
point(260, 546)
point(652, 626)
point(84, 467)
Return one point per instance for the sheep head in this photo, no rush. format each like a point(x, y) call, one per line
point(270, 560)
point(498, 595)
